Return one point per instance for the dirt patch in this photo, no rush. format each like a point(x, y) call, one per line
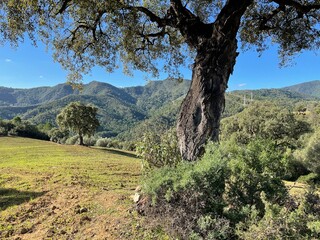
point(73, 213)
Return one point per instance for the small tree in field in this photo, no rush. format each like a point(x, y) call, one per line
point(79, 118)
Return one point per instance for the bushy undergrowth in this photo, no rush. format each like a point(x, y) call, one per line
point(230, 193)
point(284, 222)
point(114, 143)
point(184, 194)
point(310, 155)
point(159, 150)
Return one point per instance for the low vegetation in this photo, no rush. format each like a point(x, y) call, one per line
point(237, 190)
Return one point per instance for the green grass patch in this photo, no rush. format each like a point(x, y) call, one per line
point(43, 185)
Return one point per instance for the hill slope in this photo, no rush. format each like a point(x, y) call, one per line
point(119, 108)
point(308, 88)
point(122, 109)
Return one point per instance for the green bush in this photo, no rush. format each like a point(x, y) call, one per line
point(311, 178)
point(58, 136)
point(129, 146)
point(89, 141)
point(159, 150)
point(310, 155)
point(204, 199)
point(255, 168)
point(284, 222)
point(103, 142)
point(25, 129)
point(72, 140)
point(3, 131)
point(114, 143)
point(212, 228)
point(264, 120)
point(183, 194)
point(5, 127)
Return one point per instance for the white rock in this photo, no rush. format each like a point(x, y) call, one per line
point(136, 197)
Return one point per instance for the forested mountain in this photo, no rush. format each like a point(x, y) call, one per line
point(129, 110)
point(33, 96)
point(308, 88)
point(119, 108)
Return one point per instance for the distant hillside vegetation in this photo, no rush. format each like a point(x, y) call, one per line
point(126, 112)
point(120, 109)
point(311, 89)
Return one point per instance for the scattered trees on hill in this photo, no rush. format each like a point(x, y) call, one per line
point(83, 35)
point(80, 119)
point(267, 121)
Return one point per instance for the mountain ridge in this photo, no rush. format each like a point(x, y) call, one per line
point(311, 88)
point(123, 108)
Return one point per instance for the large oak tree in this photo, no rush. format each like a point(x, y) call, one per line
point(102, 32)
point(79, 118)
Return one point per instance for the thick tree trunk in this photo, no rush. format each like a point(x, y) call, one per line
point(81, 140)
point(201, 110)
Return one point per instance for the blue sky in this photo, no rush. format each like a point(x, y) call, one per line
point(28, 66)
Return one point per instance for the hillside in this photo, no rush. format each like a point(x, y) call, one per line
point(119, 108)
point(308, 88)
point(129, 110)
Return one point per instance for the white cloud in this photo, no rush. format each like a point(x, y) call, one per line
point(8, 60)
point(242, 84)
point(41, 76)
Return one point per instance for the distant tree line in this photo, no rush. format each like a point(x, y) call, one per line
point(76, 124)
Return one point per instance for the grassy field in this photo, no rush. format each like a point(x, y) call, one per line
point(51, 191)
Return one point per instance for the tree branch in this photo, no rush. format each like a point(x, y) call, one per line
point(228, 20)
point(65, 5)
point(303, 9)
point(300, 8)
point(266, 19)
point(162, 22)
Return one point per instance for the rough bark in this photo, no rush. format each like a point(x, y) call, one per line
point(201, 110)
point(216, 55)
point(81, 140)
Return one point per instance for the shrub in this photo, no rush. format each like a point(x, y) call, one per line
point(115, 144)
point(58, 136)
point(159, 150)
point(265, 120)
point(284, 222)
point(72, 140)
point(129, 146)
point(310, 155)
point(311, 178)
point(254, 169)
point(3, 131)
point(212, 228)
point(103, 142)
point(183, 194)
point(204, 199)
point(89, 141)
point(26, 129)
point(295, 169)
point(109, 143)
point(5, 127)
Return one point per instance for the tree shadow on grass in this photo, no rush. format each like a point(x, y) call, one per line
point(10, 197)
